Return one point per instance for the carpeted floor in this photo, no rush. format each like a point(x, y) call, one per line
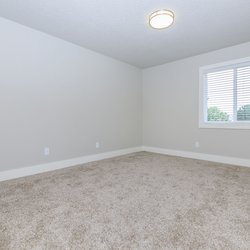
point(137, 201)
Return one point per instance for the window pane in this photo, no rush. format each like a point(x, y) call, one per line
point(243, 94)
point(220, 85)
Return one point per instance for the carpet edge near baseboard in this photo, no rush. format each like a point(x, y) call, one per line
point(200, 156)
point(51, 166)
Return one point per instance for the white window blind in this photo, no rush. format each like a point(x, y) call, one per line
point(243, 94)
point(226, 95)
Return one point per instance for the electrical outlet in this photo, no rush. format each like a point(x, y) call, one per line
point(97, 144)
point(46, 151)
point(197, 144)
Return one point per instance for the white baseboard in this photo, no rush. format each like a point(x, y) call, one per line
point(200, 156)
point(37, 169)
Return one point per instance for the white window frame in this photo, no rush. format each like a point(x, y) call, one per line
point(202, 95)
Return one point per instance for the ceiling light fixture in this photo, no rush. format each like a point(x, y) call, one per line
point(161, 19)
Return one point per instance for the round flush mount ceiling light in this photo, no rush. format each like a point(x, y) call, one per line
point(161, 19)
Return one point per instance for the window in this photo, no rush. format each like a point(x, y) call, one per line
point(225, 95)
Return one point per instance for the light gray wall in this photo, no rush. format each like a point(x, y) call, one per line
point(56, 94)
point(170, 108)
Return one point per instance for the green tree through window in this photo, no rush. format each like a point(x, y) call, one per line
point(243, 113)
point(215, 114)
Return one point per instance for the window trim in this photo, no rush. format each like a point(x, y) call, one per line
point(203, 105)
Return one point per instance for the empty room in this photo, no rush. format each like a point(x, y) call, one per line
point(125, 125)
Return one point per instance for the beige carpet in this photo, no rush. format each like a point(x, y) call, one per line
point(138, 201)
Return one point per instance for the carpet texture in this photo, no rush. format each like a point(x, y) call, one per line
point(137, 201)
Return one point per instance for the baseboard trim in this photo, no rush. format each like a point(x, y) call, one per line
point(200, 156)
point(42, 168)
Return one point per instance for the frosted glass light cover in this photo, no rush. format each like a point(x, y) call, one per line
point(161, 19)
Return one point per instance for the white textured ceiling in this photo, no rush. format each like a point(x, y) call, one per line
point(119, 28)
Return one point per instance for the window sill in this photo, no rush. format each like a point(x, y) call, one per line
point(223, 125)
